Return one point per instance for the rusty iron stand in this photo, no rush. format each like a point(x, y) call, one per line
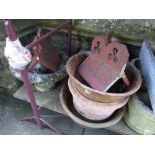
point(11, 34)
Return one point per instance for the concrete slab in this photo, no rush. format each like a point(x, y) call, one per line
point(98, 132)
point(122, 128)
point(11, 110)
point(66, 126)
point(50, 100)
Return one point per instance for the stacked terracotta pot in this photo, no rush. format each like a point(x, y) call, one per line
point(93, 104)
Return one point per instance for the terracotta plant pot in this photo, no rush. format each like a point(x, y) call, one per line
point(67, 104)
point(99, 96)
point(91, 109)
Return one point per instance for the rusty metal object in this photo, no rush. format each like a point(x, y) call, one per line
point(106, 65)
point(67, 104)
point(24, 73)
point(99, 42)
point(99, 96)
point(10, 29)
point(91, 109)
point(45, 53)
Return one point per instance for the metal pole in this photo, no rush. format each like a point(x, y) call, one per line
point(45, 36)
point(29, 90)
point(11, 33)
point(10, 30)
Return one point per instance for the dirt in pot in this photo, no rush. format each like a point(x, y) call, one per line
point(118, 87)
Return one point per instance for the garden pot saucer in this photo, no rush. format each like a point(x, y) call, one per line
point(67, 104)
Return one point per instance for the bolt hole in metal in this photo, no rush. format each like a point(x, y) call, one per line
point(115, 50)
point(113, 55)
point(98, 43)
point(96, 48)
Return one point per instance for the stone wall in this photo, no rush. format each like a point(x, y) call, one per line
point(134, 30)
point(131, 31)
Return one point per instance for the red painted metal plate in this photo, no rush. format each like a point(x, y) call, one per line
point(45, 53)
point(101, 41)
point(102, 69)
point(49, 56)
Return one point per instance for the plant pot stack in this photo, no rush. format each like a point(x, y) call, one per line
point(96, 105)
point(68, 106)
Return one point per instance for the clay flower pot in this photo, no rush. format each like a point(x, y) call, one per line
point(99, 96)
point(91, 109)
point(67, 104)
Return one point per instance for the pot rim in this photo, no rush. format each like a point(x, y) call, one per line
point(107, 105)
point(129, 92)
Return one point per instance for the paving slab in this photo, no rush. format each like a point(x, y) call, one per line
point(12, 110)
point(99, 132)
point(50, 100)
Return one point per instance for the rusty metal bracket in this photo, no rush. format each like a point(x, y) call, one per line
point(45, 53)
point(105, 64)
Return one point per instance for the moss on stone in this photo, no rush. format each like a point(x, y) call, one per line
point(133, 29)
